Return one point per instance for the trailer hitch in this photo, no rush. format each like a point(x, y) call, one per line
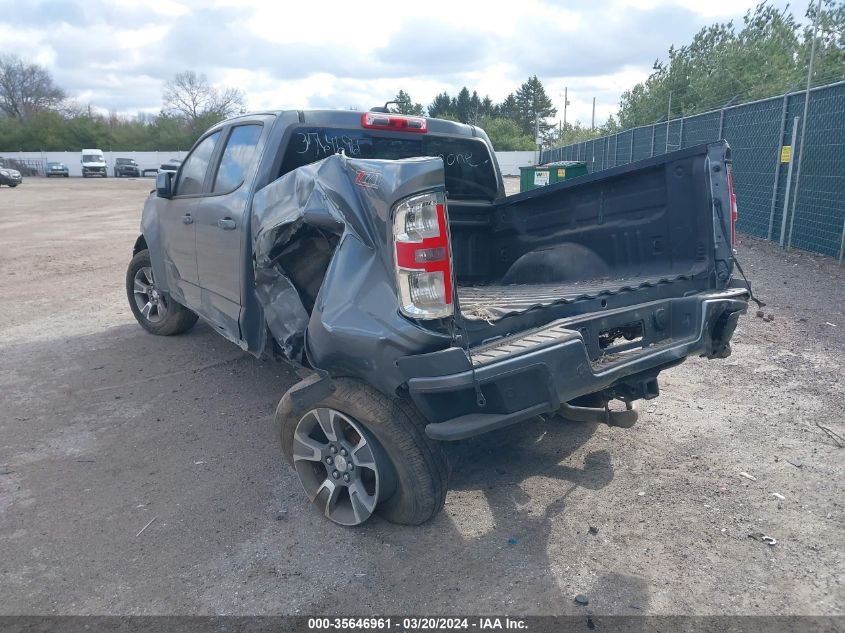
point(601, 415)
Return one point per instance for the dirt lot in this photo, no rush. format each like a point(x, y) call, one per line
point(104, 428)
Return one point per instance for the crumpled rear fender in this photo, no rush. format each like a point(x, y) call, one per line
point(355, 328)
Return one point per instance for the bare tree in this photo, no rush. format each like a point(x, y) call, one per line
point(26, 88)
point(191, 96)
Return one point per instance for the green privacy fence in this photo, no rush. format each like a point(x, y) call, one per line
point(805, 210)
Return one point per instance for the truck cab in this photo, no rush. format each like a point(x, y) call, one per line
point(93, 163)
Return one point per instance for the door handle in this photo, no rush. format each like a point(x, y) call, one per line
point(227, 224)
point(187, 219)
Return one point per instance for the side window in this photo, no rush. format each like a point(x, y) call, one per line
point(237, 157)
point(193, 170)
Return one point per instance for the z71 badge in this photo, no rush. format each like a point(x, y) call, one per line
point(368, 179)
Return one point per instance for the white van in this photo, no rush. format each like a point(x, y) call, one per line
point(94, 163)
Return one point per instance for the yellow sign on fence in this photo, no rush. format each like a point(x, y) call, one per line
point(786, 153)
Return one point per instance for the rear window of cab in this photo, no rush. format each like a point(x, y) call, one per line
point(469, 170)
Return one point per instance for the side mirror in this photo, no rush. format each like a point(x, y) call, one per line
point(164, 184)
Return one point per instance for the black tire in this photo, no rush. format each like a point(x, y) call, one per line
point(66, 175)
point(419, 468)
point(177, 319)
point(13, 185)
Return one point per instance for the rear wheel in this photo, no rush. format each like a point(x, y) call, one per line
point(359, 452)
point(154, 310)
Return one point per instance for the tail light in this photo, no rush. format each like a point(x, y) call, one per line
point(394, 122)
point(423, 257)
point(734, 212)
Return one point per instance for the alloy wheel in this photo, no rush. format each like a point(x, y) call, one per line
point(338, 465)
point(151, 303)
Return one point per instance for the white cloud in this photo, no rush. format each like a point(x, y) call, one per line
point(340, 54)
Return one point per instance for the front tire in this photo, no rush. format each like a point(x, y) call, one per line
point(408, 473)
point(154, 310)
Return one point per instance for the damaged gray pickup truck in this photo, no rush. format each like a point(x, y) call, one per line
point(379, 254)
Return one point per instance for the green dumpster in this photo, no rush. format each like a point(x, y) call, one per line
point(536, 176)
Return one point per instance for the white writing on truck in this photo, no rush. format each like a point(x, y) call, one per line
point(325, 145)
point(460, 159)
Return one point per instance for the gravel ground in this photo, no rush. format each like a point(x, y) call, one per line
point(106, 428)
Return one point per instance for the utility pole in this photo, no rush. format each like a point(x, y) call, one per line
point(565, 103)
point(669, 110)
point(804, 121)
point(593, 123)
point(668, 116)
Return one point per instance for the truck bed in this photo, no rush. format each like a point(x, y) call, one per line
point(625, 233)
point(497, 301)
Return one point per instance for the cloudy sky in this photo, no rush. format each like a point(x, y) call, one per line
point(338, 54)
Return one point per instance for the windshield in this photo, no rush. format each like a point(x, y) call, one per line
point(92, 158)
point(126, 161)
point(54, 165)
point(468, 168)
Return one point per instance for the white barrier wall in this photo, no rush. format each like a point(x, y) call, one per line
point(509, 162)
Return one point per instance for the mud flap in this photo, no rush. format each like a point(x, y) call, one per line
point(722, 333)
point(310, 390)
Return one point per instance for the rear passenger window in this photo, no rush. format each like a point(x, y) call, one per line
point(237, 158)
point(193, 171)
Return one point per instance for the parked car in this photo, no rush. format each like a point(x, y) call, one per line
point(9, 176)
point(93, 163)
point(171, 166)
point(420, 304)
point(56, 169)
point(126, 167)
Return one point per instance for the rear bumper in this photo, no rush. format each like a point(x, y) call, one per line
point(521, 377)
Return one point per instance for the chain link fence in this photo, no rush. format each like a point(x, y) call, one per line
point(805, 210)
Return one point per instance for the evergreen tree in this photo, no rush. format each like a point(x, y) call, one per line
point(487, 107)
point(404, 104)
point(507, 109)
point(442, 107)
point(474, 108)
point(533, 107)
point(463, 106)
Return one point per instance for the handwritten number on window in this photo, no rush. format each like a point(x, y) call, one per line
point(324, 145)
